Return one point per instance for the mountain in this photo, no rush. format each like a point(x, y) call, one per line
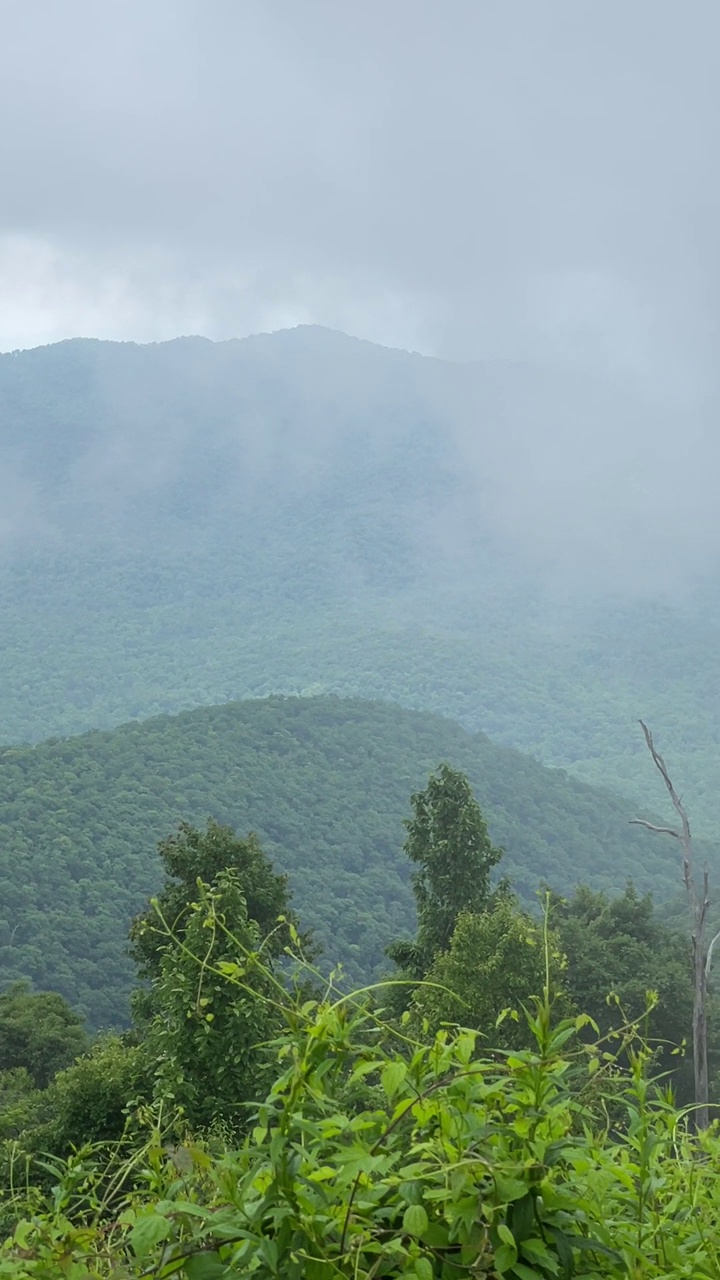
point(325, 782)
point(195, 522)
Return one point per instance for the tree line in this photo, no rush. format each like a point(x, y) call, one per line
point(198, 1041)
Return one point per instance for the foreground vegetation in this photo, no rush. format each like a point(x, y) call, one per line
point(454, 1163)
point(504, 1104)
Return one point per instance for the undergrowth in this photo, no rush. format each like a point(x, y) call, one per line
point(376, 1155)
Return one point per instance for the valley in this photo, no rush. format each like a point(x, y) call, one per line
point(305, 513)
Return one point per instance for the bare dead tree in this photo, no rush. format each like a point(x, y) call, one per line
point(701, 953)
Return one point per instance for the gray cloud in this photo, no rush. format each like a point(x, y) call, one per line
point(479, 180)
point(510, 178)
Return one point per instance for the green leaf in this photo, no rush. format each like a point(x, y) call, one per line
point(565, 1253)
point(537, 1251)
point(465, 1046)
point(594, 1246)
point(204, 1266)
point(510, 1189)
point(364, 1069)
point(505, 1258)
point(437, 1235)
point(185, 1206)
point(147, 1233)
point(423, 1269)
point(268, 1251)
point(23, 1232)
point(525, 1273)
point(415, 1220)
point(393, 1075)
point(521, 1217)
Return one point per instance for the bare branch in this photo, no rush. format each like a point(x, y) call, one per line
point(662, 770)
point(683, 835)
point(662, 831)
point(708, 959)
point(706, 898)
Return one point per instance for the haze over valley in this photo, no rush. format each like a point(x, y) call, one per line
point(193, 522)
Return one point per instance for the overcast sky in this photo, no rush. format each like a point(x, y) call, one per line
point(470, 178)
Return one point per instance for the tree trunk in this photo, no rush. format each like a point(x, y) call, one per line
point(701, 954)
point(700, 1058)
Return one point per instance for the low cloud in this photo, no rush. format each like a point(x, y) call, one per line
point(529, 187)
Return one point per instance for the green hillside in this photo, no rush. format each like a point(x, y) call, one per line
point(194, 522)
point(323, 781)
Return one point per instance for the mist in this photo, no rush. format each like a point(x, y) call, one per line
point(526, 190)
point(581, 486)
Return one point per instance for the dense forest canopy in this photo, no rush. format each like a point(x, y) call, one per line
point(192, 522)
point(325, 783)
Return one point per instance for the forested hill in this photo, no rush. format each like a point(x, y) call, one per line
point(325, 782)
point(193, 522)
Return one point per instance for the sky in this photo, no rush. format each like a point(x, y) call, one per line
point(473, 179)
point(478, 180)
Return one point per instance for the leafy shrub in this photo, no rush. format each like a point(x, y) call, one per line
point(458, 1165)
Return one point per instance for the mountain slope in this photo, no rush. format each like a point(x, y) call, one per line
point(193, 522)
point(324, 781)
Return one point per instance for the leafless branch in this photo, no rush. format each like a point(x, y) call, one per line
point(662, 769)
point(663, 831)
point(683, 835)
point(708, 961)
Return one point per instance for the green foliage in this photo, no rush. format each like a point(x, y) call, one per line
point(215, 1005)
point(88, 1102)
point(18, 1102)
point(190, 856)
point(447, 839)
point(462, 1167)
point(39, 1033)
point(617, 951)
point(495, 966)
point(325, 784)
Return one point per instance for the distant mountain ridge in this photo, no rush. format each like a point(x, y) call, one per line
point(191, 522)
point(325, 782)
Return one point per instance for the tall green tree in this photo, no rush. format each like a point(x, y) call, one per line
point(191, 855)
point(448, 841)
point(216, 1007)
point(207, 948)
point(495, 963)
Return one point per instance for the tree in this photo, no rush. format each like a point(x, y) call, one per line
point(88, 1101)
point(496, 961)
point(18, 1104)
point(191, 855)
point(617, 945)
point(698, 903)
point(447, 839)
point(38, 1031)
point(218, 912)
point(215, 1008)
